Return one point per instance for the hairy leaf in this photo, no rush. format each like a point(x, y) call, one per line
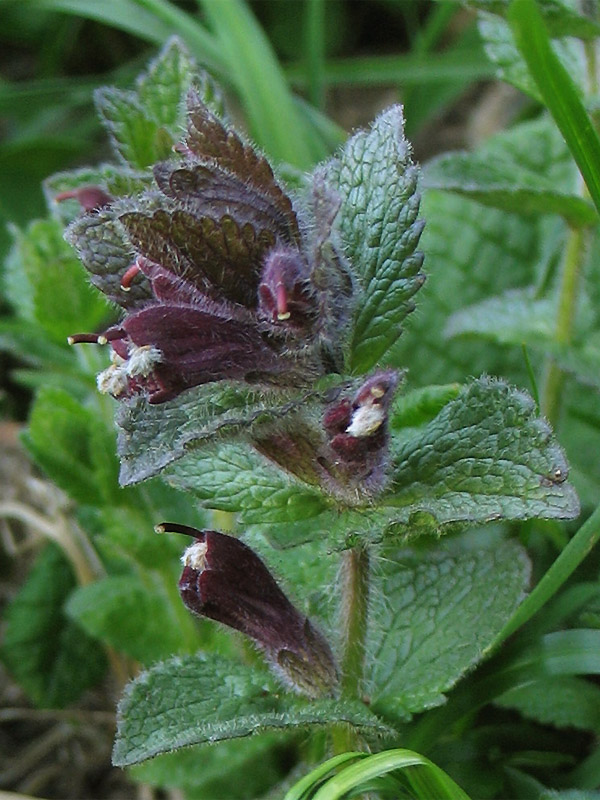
point(515, 317)
point(485, 456)
point(433, 614)
point(52, 658)
point(562, 17)
point(233, 477)
point(102, 246)
point(129, 615)
point(377, 183)
point(197, 699)
point(53, 272)
point(564, 702)
point(72, 446)
point(228, 769)
point(505, 184)
point(151, 437)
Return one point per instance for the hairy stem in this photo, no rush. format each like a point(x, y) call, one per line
point(354, 589)
point(567, 306)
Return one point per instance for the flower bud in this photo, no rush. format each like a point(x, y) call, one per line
point(223, 579)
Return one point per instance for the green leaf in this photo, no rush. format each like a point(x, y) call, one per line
point(51, 657)
point(434, 615)
point(162, 88)
point(233, 477)
point(421, 405)
point(563, 702)
point(144, 124)
point(505, 184)
point(228, 769)
point(462, 270)
point(62, 300)
point(115, 180)
point(569, 794)
point(501, 50)
point(102, 246)
point(515, 317)
point(377, 183)
point(486, 456)
point(72, 446)
point(559, 93)
point(131, 615)
point(134, 136)
point(29, 342)
point(152, 436)
point(198, 699)
point(562, 17)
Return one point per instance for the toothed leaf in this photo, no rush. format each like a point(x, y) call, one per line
point(197, 699)
point(485, 456)
point(434, 613)
point(233, 477)
point(377, 183)
point(152, 436)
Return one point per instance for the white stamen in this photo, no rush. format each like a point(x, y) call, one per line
point(366, 420)
point(113, 380)
point(195, 556)
point(142, 360)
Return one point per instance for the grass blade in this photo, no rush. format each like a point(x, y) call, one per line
point(423, 776)
point(558, 91)
point(275, 122)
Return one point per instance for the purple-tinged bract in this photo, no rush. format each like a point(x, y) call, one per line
point(237, 283)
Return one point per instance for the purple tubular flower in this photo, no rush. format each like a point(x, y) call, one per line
point(228, 272)
point(223, 579)
point(348, 455)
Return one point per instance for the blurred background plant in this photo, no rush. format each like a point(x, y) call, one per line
point(510, 253)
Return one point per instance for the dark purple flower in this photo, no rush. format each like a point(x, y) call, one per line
point(225, 580)
point(230, 272)
point(349, 453)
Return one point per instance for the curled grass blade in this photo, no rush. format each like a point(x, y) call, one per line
point(424, 778)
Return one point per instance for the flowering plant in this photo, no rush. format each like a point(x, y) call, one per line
point(252, 335)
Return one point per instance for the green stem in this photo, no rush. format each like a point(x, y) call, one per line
point(565, 321)
point(354, 589)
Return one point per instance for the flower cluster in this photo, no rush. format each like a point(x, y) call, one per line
point(236, 280)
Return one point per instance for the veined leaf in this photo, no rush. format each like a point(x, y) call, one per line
point(434, 615)
point(562, 17)
point(506, 185)
point(52, 658)
point(197, 699)
point(130, 616)
point(233, 477)
point(377, 183)
point(151, 437)
point(485, 456)
point(501, 50)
